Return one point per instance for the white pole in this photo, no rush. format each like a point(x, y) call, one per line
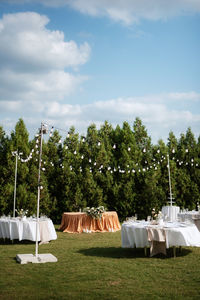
point(38, 199)
point(170, 187)
point(16, 154)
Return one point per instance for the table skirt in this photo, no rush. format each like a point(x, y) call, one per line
point(14, 228)
point(79, 222)
point(135, 235)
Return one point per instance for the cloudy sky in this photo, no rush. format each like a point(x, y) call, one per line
point(77, 62)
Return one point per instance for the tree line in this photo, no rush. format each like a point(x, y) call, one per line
point(118, 168)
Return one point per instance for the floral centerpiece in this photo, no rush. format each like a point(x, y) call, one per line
point(21, 212)
point(95, 212)
point(156, 216)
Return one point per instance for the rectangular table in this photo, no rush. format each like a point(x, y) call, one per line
point(78, 222)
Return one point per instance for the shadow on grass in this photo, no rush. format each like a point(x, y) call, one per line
point(118, 252)
point(14, 242)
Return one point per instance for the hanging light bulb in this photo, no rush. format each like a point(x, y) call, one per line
point(144, 150)
point(114, 146)
point(173, 150)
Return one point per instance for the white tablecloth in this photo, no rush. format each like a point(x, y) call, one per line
point(134, 234)
point(188, 216)
point(14, 228)
point(170, 212)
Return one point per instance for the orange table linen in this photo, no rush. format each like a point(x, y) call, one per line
point(77, 222)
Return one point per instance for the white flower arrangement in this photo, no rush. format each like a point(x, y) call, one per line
point(95, 212)
point(21, 213)
point(156, 215)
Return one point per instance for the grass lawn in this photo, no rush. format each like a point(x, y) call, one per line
point(94, 266)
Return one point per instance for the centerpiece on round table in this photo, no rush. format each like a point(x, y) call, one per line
point(95, 212)
point(22, 213)
point(157, 217)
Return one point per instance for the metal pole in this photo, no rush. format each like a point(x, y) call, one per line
point(38, 199)
point(16, 154)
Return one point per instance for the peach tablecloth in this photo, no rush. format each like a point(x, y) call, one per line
point(77, 222)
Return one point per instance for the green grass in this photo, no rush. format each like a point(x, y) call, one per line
point(94, 266)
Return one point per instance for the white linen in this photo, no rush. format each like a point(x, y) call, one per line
point(14, 228)
point(170, 212)
point(134, 234)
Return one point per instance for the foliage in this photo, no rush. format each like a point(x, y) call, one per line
point(116, 168)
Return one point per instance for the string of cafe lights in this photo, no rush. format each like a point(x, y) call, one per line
point(153, 165)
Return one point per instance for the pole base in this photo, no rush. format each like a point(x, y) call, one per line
point(40, 259)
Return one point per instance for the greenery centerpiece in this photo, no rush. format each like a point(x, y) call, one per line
point(95, 212)
point(21, 212)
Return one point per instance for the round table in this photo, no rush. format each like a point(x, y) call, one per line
point(134, 234)
point(16, 228)
point(78, 222)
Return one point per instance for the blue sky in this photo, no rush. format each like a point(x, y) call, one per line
point(79, 62)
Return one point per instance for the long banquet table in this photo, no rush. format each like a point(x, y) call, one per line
point(16, 228)
point(134, 234)
point(78, 222)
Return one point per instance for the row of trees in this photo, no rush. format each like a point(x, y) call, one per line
point(119, 168)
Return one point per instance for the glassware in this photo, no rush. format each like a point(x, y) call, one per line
point(149, 219)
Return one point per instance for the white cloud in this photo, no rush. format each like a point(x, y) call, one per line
point(159, 113)
point(26, 44)
point(127, 11)
point(34, 59)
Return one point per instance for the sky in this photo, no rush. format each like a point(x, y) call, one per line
point(77, 62)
